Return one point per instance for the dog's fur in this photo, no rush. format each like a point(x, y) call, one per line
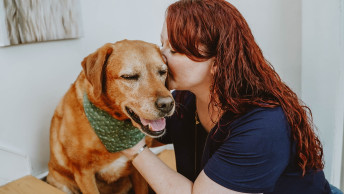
point(79, 162)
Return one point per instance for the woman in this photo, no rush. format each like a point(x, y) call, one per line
point(237, 126)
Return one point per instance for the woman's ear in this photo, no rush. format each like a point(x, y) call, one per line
point(213, 68)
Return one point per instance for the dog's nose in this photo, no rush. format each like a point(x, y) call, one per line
point(164, 104)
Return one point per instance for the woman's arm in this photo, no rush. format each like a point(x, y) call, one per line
point(165, 180)
point(159, 176)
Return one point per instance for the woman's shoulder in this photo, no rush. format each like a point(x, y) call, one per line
point(260, 120)
point(262, 115)
point(265, 113)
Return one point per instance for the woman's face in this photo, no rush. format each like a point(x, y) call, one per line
point(184, 73)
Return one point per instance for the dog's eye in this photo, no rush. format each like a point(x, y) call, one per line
point(130, 77)
point(162, 72)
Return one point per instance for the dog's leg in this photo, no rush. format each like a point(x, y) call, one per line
point(140, 185)
point(86, 181)
point(54, 178)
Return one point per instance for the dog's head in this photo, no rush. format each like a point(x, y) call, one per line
point(128, 81)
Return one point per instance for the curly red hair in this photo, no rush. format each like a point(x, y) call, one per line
point(243, 79)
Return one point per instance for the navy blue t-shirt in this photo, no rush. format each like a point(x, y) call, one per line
point(254, 153)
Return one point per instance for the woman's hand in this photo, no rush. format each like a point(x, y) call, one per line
point(130, 152)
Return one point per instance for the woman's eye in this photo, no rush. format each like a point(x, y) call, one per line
point(162, 72)
point(172, 52)
point(130, 77)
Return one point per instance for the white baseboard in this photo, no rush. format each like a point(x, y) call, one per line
point(14, 164)
point(42, 175)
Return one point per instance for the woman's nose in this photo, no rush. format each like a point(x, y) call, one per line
point(164, 58)
point(163, 54)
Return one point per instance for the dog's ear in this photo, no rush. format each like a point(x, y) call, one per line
point(94, 67)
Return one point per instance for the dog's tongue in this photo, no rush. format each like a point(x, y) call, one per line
point(156, 125)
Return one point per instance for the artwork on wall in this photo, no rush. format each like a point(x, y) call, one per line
point(27, 21)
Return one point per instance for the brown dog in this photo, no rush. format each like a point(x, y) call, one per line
point(127, 81)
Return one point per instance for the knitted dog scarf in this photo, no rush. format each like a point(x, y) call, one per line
point(114, 134)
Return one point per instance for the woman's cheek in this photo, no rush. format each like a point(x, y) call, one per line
point(169, 84)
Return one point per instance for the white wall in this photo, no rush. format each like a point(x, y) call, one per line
point(34, 77)
point(323, 76)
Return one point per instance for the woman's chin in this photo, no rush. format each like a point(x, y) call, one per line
point(174, 85)
point(170, 84)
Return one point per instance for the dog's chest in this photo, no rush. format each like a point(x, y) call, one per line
point(114, 170)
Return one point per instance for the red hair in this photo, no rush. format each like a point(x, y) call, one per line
point(243, 79)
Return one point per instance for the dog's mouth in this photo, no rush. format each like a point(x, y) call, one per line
point(153, 128)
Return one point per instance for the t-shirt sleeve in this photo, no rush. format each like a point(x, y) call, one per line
point(254, 155)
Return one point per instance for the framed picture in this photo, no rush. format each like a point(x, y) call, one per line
point(28, 21)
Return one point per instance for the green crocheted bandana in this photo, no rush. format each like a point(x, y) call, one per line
point(114, 134)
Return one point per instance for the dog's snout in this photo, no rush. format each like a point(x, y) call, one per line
point(164, 104)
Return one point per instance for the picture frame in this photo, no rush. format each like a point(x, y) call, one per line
point(29, 21)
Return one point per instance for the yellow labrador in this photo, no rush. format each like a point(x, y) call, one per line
point(126, 80)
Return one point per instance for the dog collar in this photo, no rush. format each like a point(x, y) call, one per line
point(116, 135)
